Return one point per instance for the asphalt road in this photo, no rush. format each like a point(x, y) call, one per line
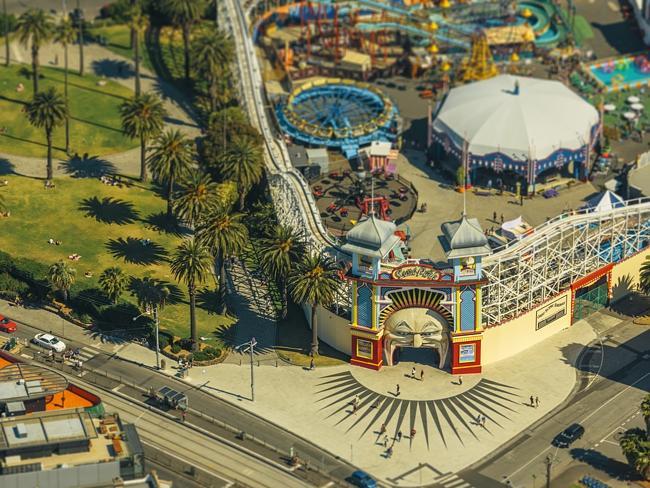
point(206, 411)
point(612, 380)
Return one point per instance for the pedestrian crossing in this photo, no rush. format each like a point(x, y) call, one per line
point(452, 481)
point(87, 353)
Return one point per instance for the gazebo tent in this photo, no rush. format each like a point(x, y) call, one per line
point(524, 125)
point(604, 201)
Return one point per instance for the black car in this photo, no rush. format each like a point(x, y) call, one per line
point(568, 436)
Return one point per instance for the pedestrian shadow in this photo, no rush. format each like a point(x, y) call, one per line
point(113, 68)
point(87, 167)
point(137, 251)
point(109, 210)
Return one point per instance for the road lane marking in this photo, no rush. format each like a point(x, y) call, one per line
point(117, 388)
point(613, 398)
point(600, 366)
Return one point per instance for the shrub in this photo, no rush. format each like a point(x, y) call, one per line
point(207, 354)
point(163, 341)
point(176, 348)
point(185, 343)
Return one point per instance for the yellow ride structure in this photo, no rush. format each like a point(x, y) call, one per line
point(480, 65)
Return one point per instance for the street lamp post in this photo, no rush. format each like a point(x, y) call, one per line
point(549, 462)
point(251, 348)
point(156, 325)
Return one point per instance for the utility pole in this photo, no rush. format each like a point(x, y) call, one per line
point(549, 463)
point(157, 325)
point(6, 29)
point(80, 19)
point(251, 349)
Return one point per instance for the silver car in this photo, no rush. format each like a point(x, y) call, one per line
point(48, 341)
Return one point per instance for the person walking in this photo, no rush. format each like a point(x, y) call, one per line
point(389, 452)
point(502, 219)
point(483, 419)
point(460, 380)
point(312, 366)
point(532, 401)
point(385, 441)
point(382, 429)
point(536, 401)
point(412, 434)
point(397, 390)
point(413, 372)
point(354, 408)
point(421, 375)
point(356, 401)
point(399, 436)
point(183, 415)
point(494, 217)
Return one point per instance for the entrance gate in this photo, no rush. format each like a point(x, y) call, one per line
point(590, 299)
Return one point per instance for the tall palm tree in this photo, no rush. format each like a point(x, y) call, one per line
point(143, 118)
point(65, 35)
point(191, 264)
point(279, 254)
point(211, 53)
point(46, 111)
point(171, 159)
point(151, 295)
point(198, 196)
point(61, 276)
point(314, 281)
point(138, 23)
point(645, 411)
point(225, 235)
point(113, 281)
point(184, 14)
point(243, 164)
point(644, 276)
point(34, 26)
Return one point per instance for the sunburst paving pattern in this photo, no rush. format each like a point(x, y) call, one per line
point(439, 418)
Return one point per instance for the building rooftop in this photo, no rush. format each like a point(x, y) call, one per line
point(20, 381)
point(371, 237)
point(465, 238)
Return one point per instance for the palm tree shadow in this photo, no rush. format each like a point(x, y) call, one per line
point(175, 294)
point(137, 251)
point(227, 335)
point(612, 467)
point(6, 168)
point(208, 300)
point(87, 167)
point(109, 210)
point(161, 224)
point(113, 68)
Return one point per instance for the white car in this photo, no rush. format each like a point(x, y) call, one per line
point(48, 341)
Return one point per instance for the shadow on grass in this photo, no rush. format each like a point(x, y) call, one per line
point(113, 68)
point(136, 251)
point(87, 167)
point(227, 335)
point(109, 210)
point(6, 168)
point(208, 300)
point(161, 224)
point(140, 286)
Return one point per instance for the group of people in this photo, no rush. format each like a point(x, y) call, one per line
point(111, 180)
point(398, 438)
point(54, 242)
point(74, 257)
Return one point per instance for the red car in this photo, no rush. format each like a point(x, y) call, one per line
point(7, 325)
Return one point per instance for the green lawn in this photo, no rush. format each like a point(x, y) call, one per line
point(118, 39)
point(103, 224)
point(95, 125)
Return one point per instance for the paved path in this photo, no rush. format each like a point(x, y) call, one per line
point(103, 62)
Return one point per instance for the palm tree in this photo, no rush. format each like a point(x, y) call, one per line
point(211, 54)
point(143, 118)
point(197, 198)
point(46, 111)
point(171, 159)
point(644, 276)
point(65, 35)
point(184, 14)
point(61, 276)
point(151, 295)
point(243, 164)
point(191, 264)
point(138, 23)
point(314, 281)
point(34, 26)
point(113, 281)
point(225, 235)
point(279, 254)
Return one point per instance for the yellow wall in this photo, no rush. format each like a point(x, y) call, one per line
point(625, 275)
point(332, 329)
point(512, 337)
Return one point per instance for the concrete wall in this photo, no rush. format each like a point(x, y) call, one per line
point(625, 275)
point(332, 329)
point(510, 338)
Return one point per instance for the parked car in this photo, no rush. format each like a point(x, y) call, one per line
point(361, 479)
point(48, 341)
point(7, 325)
point(568, 436)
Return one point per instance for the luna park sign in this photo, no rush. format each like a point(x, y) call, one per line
point(415, 272)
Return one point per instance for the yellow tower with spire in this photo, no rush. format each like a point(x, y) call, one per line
point(480, 65)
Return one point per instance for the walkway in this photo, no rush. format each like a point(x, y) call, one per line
point(103, 62)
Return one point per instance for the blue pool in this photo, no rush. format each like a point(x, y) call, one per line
point(622, 73)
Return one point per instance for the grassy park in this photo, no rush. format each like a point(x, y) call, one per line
point(104, 225)
point(94, 106)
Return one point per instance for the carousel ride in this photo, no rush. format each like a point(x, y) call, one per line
point(338, 114)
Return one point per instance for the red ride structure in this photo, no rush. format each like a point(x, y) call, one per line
point(379, 204)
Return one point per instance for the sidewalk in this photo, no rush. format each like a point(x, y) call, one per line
point(317, 404)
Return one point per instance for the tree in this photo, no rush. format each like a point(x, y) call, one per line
point(244, 163)
point(184, 14)
point(143, 118)
point(211, 54)
point(46, 111)
point(225, 235)
point(223, 126)
point(151, 295)
point(34, 26)
point(191, 264)
point(636, 449)
point(198, 196)
point(65, 35)
point(171, 159)
point(113, 281)
point(138, 23)
point(314, 281)
point(644, 276)
point(460, 177)
point(645, 411)
point(61, 277)
point(279, 254)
